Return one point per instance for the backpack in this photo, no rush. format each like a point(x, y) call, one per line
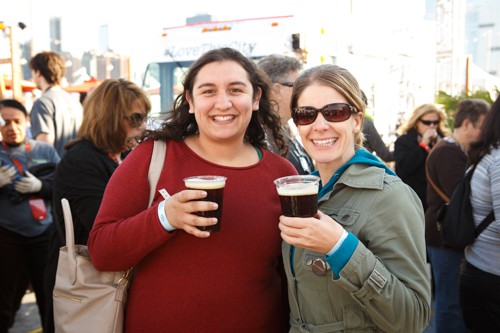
point(455, 221)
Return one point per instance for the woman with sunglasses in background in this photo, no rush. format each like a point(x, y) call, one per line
point(359, 264)
point(418, 135)
point(114, 119)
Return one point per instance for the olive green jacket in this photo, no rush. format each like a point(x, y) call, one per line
point(384, 287)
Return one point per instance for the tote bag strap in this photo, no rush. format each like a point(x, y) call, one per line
point(70, 239)
point(155, 167)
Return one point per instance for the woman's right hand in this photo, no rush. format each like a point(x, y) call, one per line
point(319, 233)
point(429, 136)
point(181, 210)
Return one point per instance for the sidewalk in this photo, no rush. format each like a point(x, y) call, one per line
point(27, 318)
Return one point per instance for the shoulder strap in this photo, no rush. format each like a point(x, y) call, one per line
point(488, 219)
point(155, 167)
point(70, 239)
point(485, 223)
point(434, 186)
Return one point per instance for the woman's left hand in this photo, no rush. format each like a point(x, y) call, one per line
point(319, 233)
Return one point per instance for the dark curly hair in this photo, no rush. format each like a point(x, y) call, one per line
point(180, 124)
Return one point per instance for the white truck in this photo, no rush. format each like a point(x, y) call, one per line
point(182, 45)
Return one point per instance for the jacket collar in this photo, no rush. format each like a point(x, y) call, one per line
point(363, 176)
point(360, 176)
point(361, 156)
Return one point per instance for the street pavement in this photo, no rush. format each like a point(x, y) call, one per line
point(27, 318)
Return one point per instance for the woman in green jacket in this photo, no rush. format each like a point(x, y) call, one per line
point(359, 265)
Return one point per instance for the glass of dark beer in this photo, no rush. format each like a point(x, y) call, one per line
point(214, 186)
point(298, 195)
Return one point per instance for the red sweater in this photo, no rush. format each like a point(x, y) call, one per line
point(229, 282)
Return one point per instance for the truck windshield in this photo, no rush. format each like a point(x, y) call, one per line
point(163, 82)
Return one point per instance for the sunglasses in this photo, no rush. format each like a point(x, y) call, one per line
point(136, 119)
point(429, 122)
point(286, 84)
point(334, 113)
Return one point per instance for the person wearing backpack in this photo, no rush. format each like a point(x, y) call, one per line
point(445, 167)
point(479, 283)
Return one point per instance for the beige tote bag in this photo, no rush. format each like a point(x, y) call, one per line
point(85, 299)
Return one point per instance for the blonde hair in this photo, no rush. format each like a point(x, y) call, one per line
point(418, 113)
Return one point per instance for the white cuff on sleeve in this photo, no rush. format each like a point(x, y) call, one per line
point(339, 243)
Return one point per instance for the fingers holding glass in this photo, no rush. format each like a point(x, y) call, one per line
point(182, 211)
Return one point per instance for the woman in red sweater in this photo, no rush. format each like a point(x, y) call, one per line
point(185, 279)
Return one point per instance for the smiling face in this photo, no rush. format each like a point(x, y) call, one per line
point(330, 144)
point(14, 130)
point(222, 101)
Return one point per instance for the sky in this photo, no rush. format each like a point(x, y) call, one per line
point(134, 26)
point(129, 21)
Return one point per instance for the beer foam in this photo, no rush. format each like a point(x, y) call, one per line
point(298, 189)
point(204, 184)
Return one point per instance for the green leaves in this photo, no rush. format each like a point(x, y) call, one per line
point(450, 103)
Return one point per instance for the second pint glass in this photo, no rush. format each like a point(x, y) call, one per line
point(298, 195)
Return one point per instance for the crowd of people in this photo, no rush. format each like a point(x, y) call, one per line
point(361, 263)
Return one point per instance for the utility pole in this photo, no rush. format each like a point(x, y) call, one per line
point(467, 73)
point(15, 64)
